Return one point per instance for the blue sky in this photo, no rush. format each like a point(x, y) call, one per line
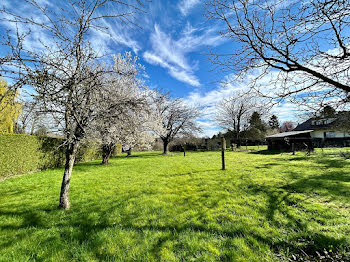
point(171, 43)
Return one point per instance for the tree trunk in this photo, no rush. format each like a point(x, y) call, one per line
point(238, 128)
point(70, 158)
point(238, 140)
point(165, 147)
point(223, 148)
point(107, 151)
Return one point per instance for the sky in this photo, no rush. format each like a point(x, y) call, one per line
point(171, 39)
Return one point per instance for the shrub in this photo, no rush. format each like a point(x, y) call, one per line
point(51, 152)
point(20, 154)
point(88, 150)
point(118, 149)
point(180, 147)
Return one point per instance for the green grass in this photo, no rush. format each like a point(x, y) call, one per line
point(265, 207)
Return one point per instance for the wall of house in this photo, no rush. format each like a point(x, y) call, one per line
point(317, 134)
point(320, 134)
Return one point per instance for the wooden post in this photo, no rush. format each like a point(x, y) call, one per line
point(223, 147)
point(184, 150)
point(293, 148)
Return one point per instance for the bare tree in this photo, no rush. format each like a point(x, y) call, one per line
point(176, 118)
point(29, 118)
point(66, 73)
point(303, 48)
point(234, 113)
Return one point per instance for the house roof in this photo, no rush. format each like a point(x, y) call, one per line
point(325, 122)
point(307, 125)
point(291, 133)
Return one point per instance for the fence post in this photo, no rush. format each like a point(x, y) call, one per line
point(223, 147)
point(293, 148)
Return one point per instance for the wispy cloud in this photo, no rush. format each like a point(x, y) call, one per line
point(38, 37)
point(172, 54)
point(114, 34)
point(185, 6)
point(120, 34)
point(175, 71)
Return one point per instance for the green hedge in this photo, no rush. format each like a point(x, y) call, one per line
point(20, 154)
point(118, 149)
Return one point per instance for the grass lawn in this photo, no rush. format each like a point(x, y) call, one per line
point(149, 207)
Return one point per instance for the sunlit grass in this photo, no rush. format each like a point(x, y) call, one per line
point(151, 207)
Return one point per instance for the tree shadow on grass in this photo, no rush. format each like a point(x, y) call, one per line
point(330, 184)
point(141, 155)
point(333, 163)
point(267, 165)
point(190, 173)
point(267, 152)
point(324, 162)
point(301, 240)
point(113, 162)
point(90, 166)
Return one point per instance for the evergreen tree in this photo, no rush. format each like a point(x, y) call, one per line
point(273, 122)
point(328, 111)
point(257, 128)
point(256, 122)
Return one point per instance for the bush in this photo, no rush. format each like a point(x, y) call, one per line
point(88, 150)
point(180, 147)
point(20, 154)
point(51, 152)
point(118, 149)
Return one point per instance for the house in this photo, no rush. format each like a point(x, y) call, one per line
point(289, 141)
point(328, 130)
point(317, 131)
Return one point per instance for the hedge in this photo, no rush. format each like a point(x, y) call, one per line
point(20, 154)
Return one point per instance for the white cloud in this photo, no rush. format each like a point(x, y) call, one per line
point(184, 77)
point(173, 54)
point(115, 30)
point(38, 36)
point(209, 127)
point(186, 5)
point(176, 72)
point(285, 111)
point(120, 34)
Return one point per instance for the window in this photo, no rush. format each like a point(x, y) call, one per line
point(329, 134)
